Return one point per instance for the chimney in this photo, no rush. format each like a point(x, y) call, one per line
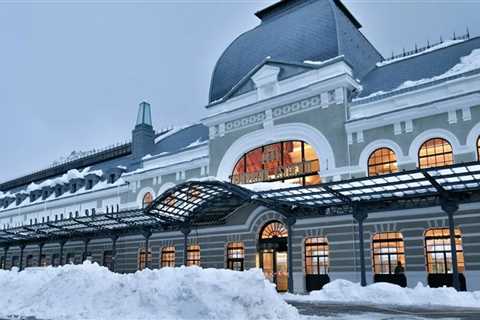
point(143, 136)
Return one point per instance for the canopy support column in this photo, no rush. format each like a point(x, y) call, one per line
point(114, 252)
point(450, 207)
point(22, 248)
point(40, 254)
point(360, 215)
point(186, 231)
point(290, 222)
point(85, 249)
point(62, 245)
point(147, 233)
point(5, 252)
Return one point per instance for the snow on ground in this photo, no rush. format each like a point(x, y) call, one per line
point(89, 291)
point(388, 294)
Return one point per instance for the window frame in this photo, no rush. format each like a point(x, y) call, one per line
point(144, 255)
point(321, 261)
point(279, 231)
point(443, 154)
point(392, 165)
point(167, 257)
point(399, 253)
point(192, 259)
point(444, 241)
point(233, 257)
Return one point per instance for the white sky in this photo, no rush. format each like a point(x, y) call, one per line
point(73, 72)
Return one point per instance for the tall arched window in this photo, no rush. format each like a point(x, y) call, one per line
point(316, 256)
point(235, 256)
point(438, 251)
point(147, 200)
point(435, 152)
point(167, 257)
point(274, 230)
point(382, 161)
point(193, 255)
point(388, 252)
point(293, 162)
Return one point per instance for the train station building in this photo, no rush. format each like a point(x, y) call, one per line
point(318, 159)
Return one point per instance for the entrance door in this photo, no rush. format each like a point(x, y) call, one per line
point(275, 268)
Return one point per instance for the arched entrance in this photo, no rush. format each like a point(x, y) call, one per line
point(272, 252)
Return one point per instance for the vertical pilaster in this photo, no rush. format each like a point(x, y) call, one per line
point(361, 215)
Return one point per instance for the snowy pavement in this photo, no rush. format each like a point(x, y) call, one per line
point(339, 311)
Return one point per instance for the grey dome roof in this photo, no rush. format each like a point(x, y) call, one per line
point(295, 31)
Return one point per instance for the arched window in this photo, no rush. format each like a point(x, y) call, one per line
point(193, 255)
point(293, 162)
point(388, 252)
point(235, 256)
point(167, 257)
point(382, 161)
point(438, 251)
point(274, 230)
point(147, 200)
point(316, 256)
point(435, 152)
point(144, 257)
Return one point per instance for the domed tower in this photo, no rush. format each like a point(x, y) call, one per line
point(295, 31)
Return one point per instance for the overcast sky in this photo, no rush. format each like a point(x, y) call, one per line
point(73, 72)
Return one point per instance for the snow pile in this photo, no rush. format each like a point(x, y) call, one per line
point(467, 63)
point(389, 294)
point(444, 44)
point(89, 291)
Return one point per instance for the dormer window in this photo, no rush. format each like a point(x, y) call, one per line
point(74, 188)
point(111, 178)
point(45, 195)
point(58, 191)
point(89, 184)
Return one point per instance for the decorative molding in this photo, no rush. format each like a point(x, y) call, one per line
point(245, 122)
point(435, 133)
point(360, 137)
point(409, 126)
point(377, 144)
point(466, 114)
point(397, 128)
point(452, 116)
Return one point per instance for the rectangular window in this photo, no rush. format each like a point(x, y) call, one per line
point(143, 257)
point(388, 253)
point(235, 256)
point(438, 251)
point(316, 256)
point(193, 255)
point(167, 257)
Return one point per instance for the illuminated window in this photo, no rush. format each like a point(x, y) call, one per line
point(382, 161)
point(287, 161)
point(147, 200)
point(167, 257)
point(435, 152)
point(193, 255)
point(235, 256)
point(143, 258)
point(478, 148)
point(388, 253)
point(316, 256)
point(438, 251)
point(274, 230)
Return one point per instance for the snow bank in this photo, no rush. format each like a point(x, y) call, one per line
point(89, 291)
point(389, 294)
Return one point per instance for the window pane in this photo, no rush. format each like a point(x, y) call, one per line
point(388, 254)
point(435, 152)
point(316, 256)
point(382, 161)
point(438, 253)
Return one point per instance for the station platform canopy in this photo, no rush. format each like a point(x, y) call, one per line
point(211, 202)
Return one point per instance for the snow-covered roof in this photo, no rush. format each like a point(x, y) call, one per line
point(430, 66)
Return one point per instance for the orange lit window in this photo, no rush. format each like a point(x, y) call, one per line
point(147, 200)
point(316, 256)
point(435, 152)
point(143, 257)
point(167, 257)
point(438, 251)
point(235, 256)
point(274, 230)
point(388, 253)
point(478, 148)
point(287, 161)
point(382, 161)
point(193, 255)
